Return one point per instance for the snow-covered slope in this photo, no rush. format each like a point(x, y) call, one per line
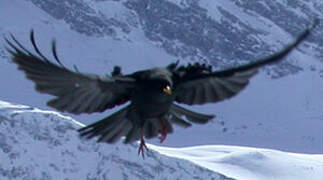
point(36, 144)
point(39, 145)
point(245, 163)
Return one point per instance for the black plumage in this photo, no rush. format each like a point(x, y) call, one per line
point(151, 92)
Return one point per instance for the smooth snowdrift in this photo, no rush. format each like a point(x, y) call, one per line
point(245, 163)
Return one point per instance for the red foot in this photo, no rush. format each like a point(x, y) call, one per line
point(142, 146)
point(162, 131)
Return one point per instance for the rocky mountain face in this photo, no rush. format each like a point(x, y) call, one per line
point(220, 33)
point(44, 145)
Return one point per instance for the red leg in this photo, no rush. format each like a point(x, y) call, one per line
point(162, 131)
point(142, 146)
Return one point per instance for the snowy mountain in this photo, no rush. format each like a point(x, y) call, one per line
point(281, 109)
point(36, 144)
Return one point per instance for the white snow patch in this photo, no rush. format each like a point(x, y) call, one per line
point(245, 163)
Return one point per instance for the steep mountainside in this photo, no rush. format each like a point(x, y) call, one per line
point(221, 33)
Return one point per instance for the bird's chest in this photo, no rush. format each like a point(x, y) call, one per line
point(151, 103)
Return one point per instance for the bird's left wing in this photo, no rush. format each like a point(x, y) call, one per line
point(198, 84)
point(75, 92)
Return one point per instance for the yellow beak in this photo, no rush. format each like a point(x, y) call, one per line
point(167, 90)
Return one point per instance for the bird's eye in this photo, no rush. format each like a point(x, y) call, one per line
point(167, 90)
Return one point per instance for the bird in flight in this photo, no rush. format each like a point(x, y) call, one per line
point(154, 94)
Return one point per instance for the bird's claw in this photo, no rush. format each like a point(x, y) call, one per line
point(162, 131)
point(163, 135)
point(142, 147)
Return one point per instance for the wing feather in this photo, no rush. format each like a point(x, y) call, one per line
point(75, 92)
point(198, 85)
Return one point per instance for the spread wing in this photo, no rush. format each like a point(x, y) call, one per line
point(198, 84)
point(75, 92)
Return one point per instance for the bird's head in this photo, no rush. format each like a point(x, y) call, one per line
point(164, 86)
point(160, 86)
point(161, 80)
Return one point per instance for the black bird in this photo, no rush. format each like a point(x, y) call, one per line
point(151, 92)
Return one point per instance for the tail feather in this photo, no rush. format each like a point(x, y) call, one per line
point(176, 119)
point(153, 126)
point(150, 129)
point(109, 129)
point(112, 131)
point(190, 115)
point(122, 132)
point(168, 126)
point(112, 128)
point(133, 135)
point(104, 129)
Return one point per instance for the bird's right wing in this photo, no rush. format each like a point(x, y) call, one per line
point(199, 85)
point(75, 92)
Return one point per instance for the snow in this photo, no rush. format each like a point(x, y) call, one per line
point(37, 144)
point(272, 34)
point(245, 163)
point(111, 8)
point(213, 10)
point(179, 3)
